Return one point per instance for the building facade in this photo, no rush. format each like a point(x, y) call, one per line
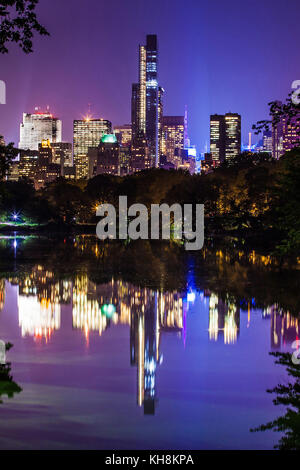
point(87, 133)
point(37, 127)
point(225, 137)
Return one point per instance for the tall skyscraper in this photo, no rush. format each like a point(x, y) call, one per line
point(37, 127)
point(217, 138)
point(135, 110)
point(145, 98)
point(87, 133)
point(225, 137)
point(232, 136)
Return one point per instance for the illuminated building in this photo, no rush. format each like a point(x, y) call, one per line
point(87, 133)
point(37, 127)
point(232, 136)
point(145, 99)
point(217, 138)
point(173, 131)
point(124, 160)
point(27, 164)
point(225, 137)
point(160, 120)
point(267, 144)
point(285, 135)
point(140, 154)
point(62, 153)
point(135, 110)
point(108, 156)
point(123, 134)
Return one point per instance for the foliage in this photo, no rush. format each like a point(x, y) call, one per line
point(289, 396)
point(18, 22)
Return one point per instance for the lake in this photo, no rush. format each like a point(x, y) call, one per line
point(140, 345)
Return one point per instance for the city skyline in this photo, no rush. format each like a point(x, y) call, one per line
point(188, 78)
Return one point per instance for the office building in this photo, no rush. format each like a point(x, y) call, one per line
point(108, 156)
point(225, 137)
point(173, 131)
point(232, 136)
point(37, 127)
point(87, 133)
point(123, 134)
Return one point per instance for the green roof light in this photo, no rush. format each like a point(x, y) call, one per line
point(109, 139)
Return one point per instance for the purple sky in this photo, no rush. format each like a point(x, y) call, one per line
point(215, 56)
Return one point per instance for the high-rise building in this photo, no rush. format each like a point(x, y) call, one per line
point(225, 137)
point(145, 98)
point(232, 136)
point(267, 142)
point(285, 135)
point(87, 133)
point(37, 127)
point(135, 110)
point(123, 134)
point(108, 156)
point(62, 153)
point(140, 155)
point(160, 120)
point(173, 131)
point(217, 138)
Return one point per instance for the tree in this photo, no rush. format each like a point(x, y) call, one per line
point(289, 396)
point(290, 111)
point(18, 22)
point(7, 154)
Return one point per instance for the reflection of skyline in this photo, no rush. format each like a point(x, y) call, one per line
point(95, 308)
point(149, 313)
point(284, 327)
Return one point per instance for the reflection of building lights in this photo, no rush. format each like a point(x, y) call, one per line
point(191, 296)
point(108, 310)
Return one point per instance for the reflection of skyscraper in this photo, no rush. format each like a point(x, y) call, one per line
point(2, 293)
point(224, 320)
point(284, 327)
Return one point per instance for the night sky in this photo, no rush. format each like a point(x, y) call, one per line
point(214, 56)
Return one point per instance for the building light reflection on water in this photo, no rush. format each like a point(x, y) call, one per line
point(149, 314)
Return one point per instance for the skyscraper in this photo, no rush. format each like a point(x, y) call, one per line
point(145, 99)
point(108, 156)
point(217, 138)
point(232, 136)
point(37, 127)
point(225, 137)
point(173, 131)
point(87, 133)
point(123, 134)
